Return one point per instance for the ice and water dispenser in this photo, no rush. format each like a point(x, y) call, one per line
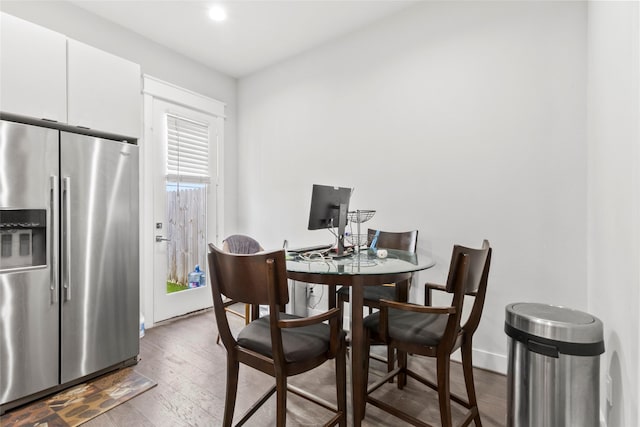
point(23, 238)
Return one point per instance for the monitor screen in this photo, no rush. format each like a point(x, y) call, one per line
point(325, 206)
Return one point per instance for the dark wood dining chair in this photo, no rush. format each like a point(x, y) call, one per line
point(435, 332)
point(406, 241)
point(240, 244)
point(279, 344)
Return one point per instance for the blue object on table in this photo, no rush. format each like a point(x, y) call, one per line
point(374, 242)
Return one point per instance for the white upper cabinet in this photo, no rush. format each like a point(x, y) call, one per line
point(104, 91)
point(32, 70)
point(45, 75)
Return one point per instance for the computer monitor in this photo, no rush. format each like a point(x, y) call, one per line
point(329, 207)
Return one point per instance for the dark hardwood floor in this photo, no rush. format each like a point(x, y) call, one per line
point(182, 357)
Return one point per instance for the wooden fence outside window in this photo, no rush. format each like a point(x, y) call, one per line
point(186, 230)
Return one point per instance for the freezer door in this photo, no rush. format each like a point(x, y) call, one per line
point(29, 308)
point(99, 257)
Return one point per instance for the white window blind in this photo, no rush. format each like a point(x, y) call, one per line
point(187, 150)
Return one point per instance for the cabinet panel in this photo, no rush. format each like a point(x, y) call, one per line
point(32, 70)
point(104, 91)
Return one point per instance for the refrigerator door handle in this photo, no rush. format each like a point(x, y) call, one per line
point(66, 232)
point(53, 246)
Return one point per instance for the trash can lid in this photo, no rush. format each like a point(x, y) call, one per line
point(554, 322)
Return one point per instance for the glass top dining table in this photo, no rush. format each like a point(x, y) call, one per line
point(363, 263)
point(357, 271)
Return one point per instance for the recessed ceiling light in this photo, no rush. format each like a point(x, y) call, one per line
point(217, 13)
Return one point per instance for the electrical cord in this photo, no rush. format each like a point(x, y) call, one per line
point(331, 229)
point(309, 297)
point(314, 256)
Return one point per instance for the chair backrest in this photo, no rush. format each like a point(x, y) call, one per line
point(475, 283)
point(405, 241)
point(477, 260)
point(241, 244)
point(248, 278)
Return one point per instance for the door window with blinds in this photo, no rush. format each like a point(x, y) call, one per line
point(187, 179)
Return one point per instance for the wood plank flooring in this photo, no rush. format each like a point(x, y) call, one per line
point(182, 357)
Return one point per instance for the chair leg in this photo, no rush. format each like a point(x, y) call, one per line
point(232, 388)
point(281, 400)
point(444, 391)
point(367, 349)
point(341, 383)
point(467, 367)
point(391, 360)
point(331, 297)
point(247, 314)
point(340, 305)
point(402, 364)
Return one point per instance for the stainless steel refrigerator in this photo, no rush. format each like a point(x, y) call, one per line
point(69, 291)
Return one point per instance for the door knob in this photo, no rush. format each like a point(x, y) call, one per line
point(161, 239)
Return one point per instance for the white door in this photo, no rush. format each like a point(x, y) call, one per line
point(185, 143)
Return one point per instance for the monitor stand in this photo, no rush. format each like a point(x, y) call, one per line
point(342, 225)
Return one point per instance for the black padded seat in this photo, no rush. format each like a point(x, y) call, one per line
point(420, 328)
point(299, 344)
point(372, 293)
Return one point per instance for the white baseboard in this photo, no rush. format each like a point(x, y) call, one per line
point(486, 360)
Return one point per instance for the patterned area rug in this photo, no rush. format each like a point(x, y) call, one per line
point(81, 403)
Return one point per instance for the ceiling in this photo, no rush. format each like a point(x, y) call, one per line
point(255, 35)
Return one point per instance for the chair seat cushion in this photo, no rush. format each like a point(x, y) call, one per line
point(372, 293)
point(299, 344)
point(406, 326)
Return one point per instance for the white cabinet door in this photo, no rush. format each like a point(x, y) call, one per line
point(104, 91)
point(32, 70)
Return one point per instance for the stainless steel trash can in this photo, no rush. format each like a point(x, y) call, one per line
point(553, 377)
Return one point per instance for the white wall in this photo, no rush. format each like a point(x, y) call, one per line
point(154, 60)
point(614, 200)
point(463, 120)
